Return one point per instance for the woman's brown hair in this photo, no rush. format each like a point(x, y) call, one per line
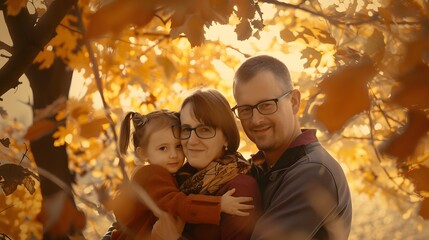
point(211, 108)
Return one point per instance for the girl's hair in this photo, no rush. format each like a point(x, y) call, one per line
point(144, 126)
point(211, 108)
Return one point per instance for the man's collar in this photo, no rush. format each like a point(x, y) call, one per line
point(307, 136)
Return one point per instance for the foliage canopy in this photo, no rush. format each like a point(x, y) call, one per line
point(364, 82)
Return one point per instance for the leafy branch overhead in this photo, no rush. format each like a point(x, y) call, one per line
point(361, 67)
point(12, 175)
point(188, 17)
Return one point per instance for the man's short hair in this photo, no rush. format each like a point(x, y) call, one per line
point(254, 65)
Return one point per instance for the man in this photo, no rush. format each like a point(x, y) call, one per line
point(304, 190)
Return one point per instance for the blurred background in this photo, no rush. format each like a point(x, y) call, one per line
point(71, 70)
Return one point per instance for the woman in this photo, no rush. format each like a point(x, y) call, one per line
point(156, 145)
point(210, 139)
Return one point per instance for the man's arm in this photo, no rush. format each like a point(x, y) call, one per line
point(300, 204)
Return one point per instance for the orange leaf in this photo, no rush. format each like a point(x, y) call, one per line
point(40, 129)
point(245, 9)
point(414, 89)
point(222, 9)
point(311, 55)
point(386, 15)
point(415, 52)
point(167, 65)
point(346, 94)
point(13, 175)
point(375, 46)
point(5, 142)
point(114, 17)
point(287, 35)
point(243, 30)
point(325, 37)
point(178, 18)
point(93, 128)
point(193, 28)
point(15, 6)
point(419, 177)
point(404, 145)
point(424, 209)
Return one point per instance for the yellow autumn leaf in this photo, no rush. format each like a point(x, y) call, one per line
point(167, 64)
point(413, 91)
point(193, 28)
point(63, 135)
point(115, 16)
point(346, 95)
point(424, 209)
point(93, 128)
point(243, 30)
point(15, 6)
point(40, 129)
point(45, 58)
point(404, 144)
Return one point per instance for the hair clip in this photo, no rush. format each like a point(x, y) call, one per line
point(140, 120)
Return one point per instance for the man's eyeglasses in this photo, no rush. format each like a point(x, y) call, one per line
point(202, 131)
point(265, 107)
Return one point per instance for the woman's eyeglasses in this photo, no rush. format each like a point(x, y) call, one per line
point(202, 131)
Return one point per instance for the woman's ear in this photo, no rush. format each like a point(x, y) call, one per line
point(295, 99)
point(225, 146)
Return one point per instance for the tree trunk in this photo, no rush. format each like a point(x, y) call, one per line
point(47, 86)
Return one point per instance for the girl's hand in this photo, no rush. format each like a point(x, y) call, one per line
point(235, 205)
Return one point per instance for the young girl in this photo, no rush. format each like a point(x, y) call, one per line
point(154, 143)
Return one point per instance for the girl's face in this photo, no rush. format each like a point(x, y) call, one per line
point(164, 150)
point(200, 152)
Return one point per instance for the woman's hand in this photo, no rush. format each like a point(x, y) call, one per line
point(167, 227)
point(235, 205)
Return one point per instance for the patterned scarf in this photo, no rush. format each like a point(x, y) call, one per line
point(210, 179)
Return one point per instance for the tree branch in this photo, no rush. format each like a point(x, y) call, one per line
point(28, 48)
point(6, 47)
point(333, 19)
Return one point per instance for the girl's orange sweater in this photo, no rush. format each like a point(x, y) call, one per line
point(136, 220)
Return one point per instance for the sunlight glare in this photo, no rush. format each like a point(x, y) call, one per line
point(85, 143)
point(364, 129)
point(68, 138)
point(225, 72)
point(176, 87)
point(143, 58)
point(378, 126)
point(78, 86)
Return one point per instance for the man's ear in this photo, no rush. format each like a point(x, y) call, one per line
point(295, 99)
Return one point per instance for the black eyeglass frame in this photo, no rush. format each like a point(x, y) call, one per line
point(275, 100)
point(190, 131)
